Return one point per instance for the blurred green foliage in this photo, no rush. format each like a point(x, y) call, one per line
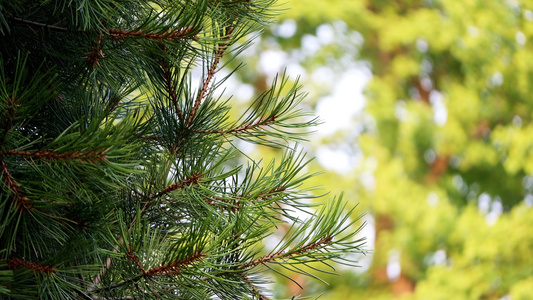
point(447, 136)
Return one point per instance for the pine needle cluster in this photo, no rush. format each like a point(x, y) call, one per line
point(118, 176)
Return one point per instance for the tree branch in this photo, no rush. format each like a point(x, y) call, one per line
point(173, 268)
point(243, 128)
point(194, 179)
point(23, 202)
point(236, 205)
point(120, 34)
point(149, 201)
point(281, 254)
point(91, 156)
point(16, 263)
point(255, 290)
point(169, 35)
point(47, 26)
point(218, 54)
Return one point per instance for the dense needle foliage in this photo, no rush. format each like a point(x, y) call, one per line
point(119, 172)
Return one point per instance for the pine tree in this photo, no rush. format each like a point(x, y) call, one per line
point(120, 175)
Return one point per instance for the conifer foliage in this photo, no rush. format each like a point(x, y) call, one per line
point(119, 172)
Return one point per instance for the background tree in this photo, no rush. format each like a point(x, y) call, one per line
point(119, 166)
point(443, 142)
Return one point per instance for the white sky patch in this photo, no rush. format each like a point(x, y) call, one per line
point(496, 79)
point(337, 160)
point(324, 75)
point(422, 45)
point(368, 180)
point(227, 89)
point(295, 70)
point(244, 92)
point(426, 66)
point(286, 29)
point(517, 121)
point(364, 261)
point(394, 269)
point(439, 257)
point(528, 200)
point(252, 48)
point(440, 113)
point(520, 38)
point(338, 110)
point(429, 156)
point(426, 82)
point(496, 209)
point(325, 34)
point(528, 15)
point(368, 231)
point(246, 147)
point(483, 203)
point(310, 45)
point(272, 61)
point(232, 87)
point(400, 110)
point(527, 182)
point(432, 199)
point(271, 242)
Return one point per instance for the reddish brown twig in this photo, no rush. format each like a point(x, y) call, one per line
point(255, 290)
point(16, 263)
point(120, 34)
point(169, 35)
point(90, 156)
point(93, 57)
point(132, 257)
point(258, 124)
point(175, 267)
point(149, 202)
point(281, 254)
point(218, 54)
point(193, 179)
point(23, 202)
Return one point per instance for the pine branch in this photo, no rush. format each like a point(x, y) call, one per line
point(23, 202)
point(285, 255)
point(120, 34)
point(47, 26)
point(193, 179)
point(148, 202)
point(133, 258)
point(16, 263)
point(255, 290)
point(51, 155)
point(256, 125)
point(218, 54)
point(236, 203)
point(169, 35)
point(94, 56)
point(173, 269)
